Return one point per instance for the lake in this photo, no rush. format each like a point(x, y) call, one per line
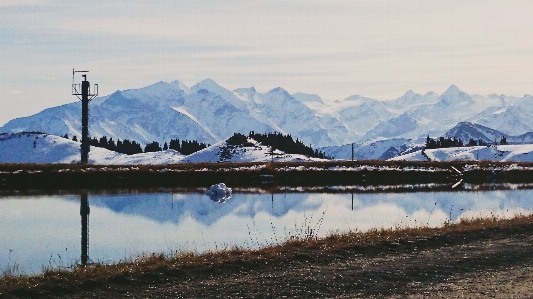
point(44, 231)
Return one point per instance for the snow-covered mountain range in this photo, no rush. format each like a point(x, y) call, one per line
point(390, 148)
point(209, 113)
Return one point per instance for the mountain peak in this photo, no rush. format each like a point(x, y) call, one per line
point(452, 90)
point(453, 95)
point(409, 93)
point(409, 98)
point(249, 93)
point(278, 90)
point(181, 86)
point(207, 84)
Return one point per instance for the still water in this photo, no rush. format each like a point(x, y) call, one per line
point(44, 231)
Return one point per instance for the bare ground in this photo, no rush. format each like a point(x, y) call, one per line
point(485, 262)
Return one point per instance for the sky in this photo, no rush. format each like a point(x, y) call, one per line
point(333, 48)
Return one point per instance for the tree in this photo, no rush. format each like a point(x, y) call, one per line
point(431, 143)
point(165, 147)
point(503, 141)
point(175, 145)
point(111, 145)
point(152, 147)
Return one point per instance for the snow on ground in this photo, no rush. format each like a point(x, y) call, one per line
point(222, 152)
point(502, 153)
point(415, 156)
point(19, 148)
point(44, 148)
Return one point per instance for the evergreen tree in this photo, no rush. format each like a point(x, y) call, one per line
point(152, 147)
point(503, 141)
point(111, 145)
point(175, 145)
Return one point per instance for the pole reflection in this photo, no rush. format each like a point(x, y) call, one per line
point(84, 212)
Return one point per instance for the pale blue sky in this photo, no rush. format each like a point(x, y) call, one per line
point(378, 48)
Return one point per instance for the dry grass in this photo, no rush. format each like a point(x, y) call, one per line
point(271, 166)
point(288, 249)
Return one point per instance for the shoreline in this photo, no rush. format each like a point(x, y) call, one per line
point(304, 174)
point(459, 252)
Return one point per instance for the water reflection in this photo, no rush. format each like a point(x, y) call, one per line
point(43, 231)
point(219, 193)
point(84, 212)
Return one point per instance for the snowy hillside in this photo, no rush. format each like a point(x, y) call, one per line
point(503, 153)
point(210, 113)
point(253, 152)
point(47, 149)
point(374, 150)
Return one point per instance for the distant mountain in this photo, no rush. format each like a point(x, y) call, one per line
point(411, 100)
point(402, 125)
point(511, 120)
point(518, 149)
point(453, 96)
point(210, 113)
point(374, 150)
point(394, 147)
point(466, 131)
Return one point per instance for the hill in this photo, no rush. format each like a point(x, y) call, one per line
point(41, 148)
point(502, 153)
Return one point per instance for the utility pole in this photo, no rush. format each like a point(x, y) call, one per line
point(84, 90)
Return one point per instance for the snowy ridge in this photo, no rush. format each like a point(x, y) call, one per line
point(254, 152)
point(502, 153)
point(43, 148)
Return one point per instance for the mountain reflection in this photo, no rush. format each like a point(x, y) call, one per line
point(164, 207)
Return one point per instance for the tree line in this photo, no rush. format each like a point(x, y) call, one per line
point(276, 141)
point(286, 144)
point(186, 147)
point(442, 142)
